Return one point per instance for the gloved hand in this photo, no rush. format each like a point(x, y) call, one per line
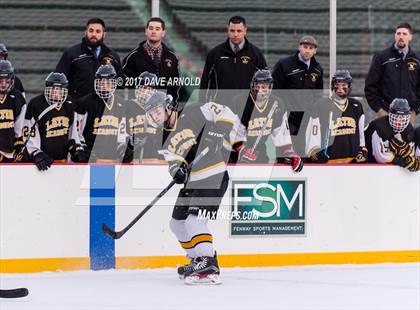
point(42, 161)
point(410, 162)
point(249, 156)
point(18, 150)
point(295, 161)
point(400, 148)
point(319, 156)
point(79, 154)
point(361, 156)
point(179, 172)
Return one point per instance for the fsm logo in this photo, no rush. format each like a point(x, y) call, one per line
point(279, 207)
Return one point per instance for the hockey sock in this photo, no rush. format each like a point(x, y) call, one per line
point(201, 238)
point(178, 228)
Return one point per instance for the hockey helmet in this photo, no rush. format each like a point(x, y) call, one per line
point(105, 81)
point(261, 86)
point(56, 91)
point(155, 108)
point(147, 83)
point(342, 76)
point(399, 114)
point(7, 76)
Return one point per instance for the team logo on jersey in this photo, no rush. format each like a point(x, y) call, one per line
point(107, 60)
point(168, 63)
point(274, 207)
point(314, 77)
point(412, 65)
point(245, 59)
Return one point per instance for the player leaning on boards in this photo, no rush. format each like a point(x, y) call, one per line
point(102, 119)
point(391, 138)
point(198, 127)
point(337, 128)
point(12, 114)
point(155, 57)
point(50, 123)
point(264, 116)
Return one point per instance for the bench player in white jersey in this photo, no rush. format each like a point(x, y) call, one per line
point(197, 128)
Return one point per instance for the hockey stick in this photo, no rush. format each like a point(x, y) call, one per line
point(269, 116)
point(14, 293)
point(327, 134)
point(41, 115)
point(118, 234)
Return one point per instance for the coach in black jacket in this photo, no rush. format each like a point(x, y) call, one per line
point(232, 64)
point(80, 62)
point(394, 73)
point(155, 57)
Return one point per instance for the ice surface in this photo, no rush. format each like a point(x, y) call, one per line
point(384, 286)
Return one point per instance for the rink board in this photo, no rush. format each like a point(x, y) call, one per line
point(52, 220)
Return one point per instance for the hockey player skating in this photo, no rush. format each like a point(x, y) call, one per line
point(337, 133)
point(392, 138)
point(264, 117)
point(198, 127)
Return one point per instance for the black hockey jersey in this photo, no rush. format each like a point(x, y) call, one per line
point(338, 128)
point(12, 115)
point(54, 131)
point(102, 126)
point(198, 127)
point(254, 119)
point(378, 135)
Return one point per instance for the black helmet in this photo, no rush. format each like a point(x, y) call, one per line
point(261, 77)
point(105, 90)
point(3, 50)
point(56, 88)
point(8, 73)
point(146, 86)
point(156, 100)
point(399, 114)
point(342, 76)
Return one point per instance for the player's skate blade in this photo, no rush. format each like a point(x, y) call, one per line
point(208, 279)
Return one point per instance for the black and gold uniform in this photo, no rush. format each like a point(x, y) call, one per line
point(102, 126)
point(338, 129)
point(254, 118)
point(12, 115)
point(55, 132)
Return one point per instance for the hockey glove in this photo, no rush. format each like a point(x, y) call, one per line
point(179, 172)
point(18, 150)
point(400, 148)
point(319, 156)
point(410, 162)
point(42, 161)
point(361, 156)
point(295, 161)
point(79, 154)
point(249, 156)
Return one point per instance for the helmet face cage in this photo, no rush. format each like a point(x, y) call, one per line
point(342, 76)
point(105, 87)
point(56, 94)
point(261, 86)
point(143, 93)
point(399, 114)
